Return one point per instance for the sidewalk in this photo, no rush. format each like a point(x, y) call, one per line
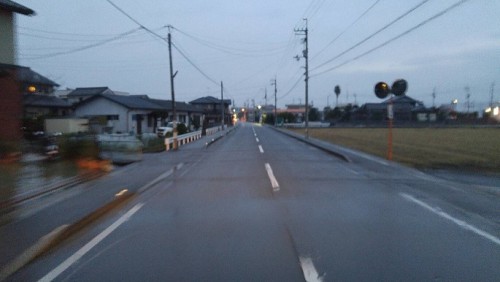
point(68, 206)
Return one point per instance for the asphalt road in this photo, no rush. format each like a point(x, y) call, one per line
point(260, 206)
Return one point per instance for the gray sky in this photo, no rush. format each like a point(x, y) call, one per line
point(245, 44)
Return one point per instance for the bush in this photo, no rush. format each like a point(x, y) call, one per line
point(152, 143)
point(8, 147)
point(181, 129)
point(78, 147)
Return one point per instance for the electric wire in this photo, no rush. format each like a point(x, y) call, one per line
point(291, 88)
point(194, 65)
point(120, 36)
point(346, 29)
point(229, 50)
point(371, 35)
point(443, 12)
point(164, 40)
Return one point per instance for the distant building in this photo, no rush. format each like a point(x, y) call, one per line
point(405, 108)
point(83, 93)
point(212, 109)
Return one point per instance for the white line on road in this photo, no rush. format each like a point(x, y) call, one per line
point(310, 273)
point(85, 249)
point(458, 222)
point(260, 149)
point(257, 139)
point(351, 171)
point(274, 182)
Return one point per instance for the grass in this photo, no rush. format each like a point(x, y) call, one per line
point(474, 149)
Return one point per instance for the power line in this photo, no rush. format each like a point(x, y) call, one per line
point(194, 65)
point(457, 4)
point(135, 21)
point(346, 29)
point(85, 47)
point(228, 50)
point(291, 89)
point(63, 33)
point(373, 34)
point(163, 39)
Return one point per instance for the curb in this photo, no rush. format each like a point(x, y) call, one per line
point(315, 143)
point(219, 137)
point(60, 234)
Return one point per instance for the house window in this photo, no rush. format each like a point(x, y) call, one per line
point(113, 117)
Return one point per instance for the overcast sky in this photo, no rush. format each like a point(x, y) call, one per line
point(246, 44)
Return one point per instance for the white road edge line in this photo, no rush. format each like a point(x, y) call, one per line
point(458, 222)
point(85, 249)
point(274, 182)
point(310, 273)
point(261, 150)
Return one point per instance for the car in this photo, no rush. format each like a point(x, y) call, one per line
point(163, 130)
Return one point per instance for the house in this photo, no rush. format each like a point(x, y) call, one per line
point(405, 108)
point(190, 115)
point(212, 109)
point(38, 105)
point(82, 93)
point(119, 114)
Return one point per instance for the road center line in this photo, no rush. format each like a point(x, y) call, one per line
point(458, 222)
point(274, 182)
point(310, 273)
point(257, 139)
point(85, 249)
point(261, 150)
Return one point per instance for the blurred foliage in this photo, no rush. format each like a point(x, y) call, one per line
point(78, 146)
point(8, 147)
point(181, 129)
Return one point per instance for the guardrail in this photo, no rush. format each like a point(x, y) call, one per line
point(303, 124)
point(189, 137)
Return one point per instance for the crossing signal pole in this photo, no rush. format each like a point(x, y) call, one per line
point(304, 32)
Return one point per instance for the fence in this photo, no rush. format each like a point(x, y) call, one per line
point(189, 137)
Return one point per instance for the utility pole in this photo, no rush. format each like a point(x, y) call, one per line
point(467, 95)
point(304, 31)
point(222, 102)
point(492, 90)
point(172, 76)
point(274, 82)
point(265, 96)
point(433, 97)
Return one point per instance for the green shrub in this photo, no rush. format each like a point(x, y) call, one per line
point(181, 129)
point(78, 147)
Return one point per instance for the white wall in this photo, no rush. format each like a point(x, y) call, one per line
point(105, 107)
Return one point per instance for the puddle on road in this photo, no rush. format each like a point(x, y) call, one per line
point(33, 173)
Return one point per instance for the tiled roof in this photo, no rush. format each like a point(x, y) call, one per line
point(25, 74)
point(179, 106)
point(130, 102)
point(88, 91)
point(15, 7)
point(46, 101)
point(210, 100)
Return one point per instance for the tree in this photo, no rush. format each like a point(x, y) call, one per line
point(314, 114)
